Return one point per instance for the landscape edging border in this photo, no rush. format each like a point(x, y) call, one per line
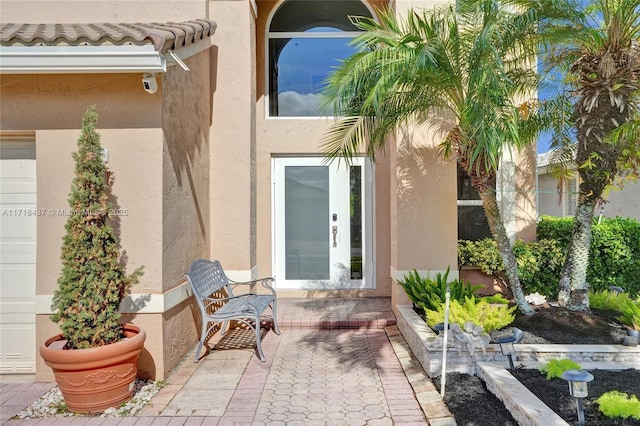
point(492, 369)
point(526, 408)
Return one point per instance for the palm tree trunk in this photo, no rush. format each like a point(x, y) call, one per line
point(574, 289)
point(492, 211)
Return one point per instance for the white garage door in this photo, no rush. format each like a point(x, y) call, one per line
point(17, 256)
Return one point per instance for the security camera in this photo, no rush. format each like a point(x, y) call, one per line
point(149, 83)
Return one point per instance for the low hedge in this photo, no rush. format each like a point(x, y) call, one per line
point(539, 263)
point(614, 257)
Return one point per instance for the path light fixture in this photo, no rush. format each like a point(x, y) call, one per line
point(506, 344)
point(616, 290)
point(578, 380)
point(632, 338)
point(439, 327)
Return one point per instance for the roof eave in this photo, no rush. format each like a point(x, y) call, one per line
point(188, 51)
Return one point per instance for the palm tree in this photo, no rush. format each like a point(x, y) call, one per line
point(603, 50)
point(471, 63)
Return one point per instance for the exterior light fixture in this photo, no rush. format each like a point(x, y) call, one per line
point(506, 344)
point(578, 380)
point(439, 327)
point(632, 338)
point(616, 290)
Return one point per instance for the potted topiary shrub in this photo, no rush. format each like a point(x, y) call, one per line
point(95, 357)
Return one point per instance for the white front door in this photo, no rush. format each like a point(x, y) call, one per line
point(17, 256)
point(322, 222)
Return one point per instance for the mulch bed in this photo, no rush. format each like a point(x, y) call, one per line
point(473, 405)
point(555, 393)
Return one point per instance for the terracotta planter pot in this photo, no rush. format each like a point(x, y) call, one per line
point(94, 379)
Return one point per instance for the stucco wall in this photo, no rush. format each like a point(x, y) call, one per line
point(52, 101)
point(548, 200)
point(233, 137)
point(53, 106)
point(425, 204)
point(186, 112)
point(525, 211)
point(623, 202)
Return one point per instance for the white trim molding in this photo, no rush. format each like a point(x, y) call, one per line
point(138, 303)
point(151, 303)
point(243, 275)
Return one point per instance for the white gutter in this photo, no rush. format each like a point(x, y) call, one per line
point(80, 59)
point(93, 59)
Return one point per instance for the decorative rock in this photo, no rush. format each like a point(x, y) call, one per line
point(536, 299)
point(51, 403)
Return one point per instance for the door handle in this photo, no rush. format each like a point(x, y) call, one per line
point(334, 231)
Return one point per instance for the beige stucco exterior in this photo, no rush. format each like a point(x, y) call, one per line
point(192, 169)
point(159, 163)
point(623, 201)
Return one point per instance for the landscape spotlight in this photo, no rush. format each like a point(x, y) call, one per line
point(506, 344)
point(439, 327)
point(578, 380)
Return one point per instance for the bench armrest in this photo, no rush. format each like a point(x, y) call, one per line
point(266, 283)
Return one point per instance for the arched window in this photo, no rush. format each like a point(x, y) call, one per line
point(307, 39)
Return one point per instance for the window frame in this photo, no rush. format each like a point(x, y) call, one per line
point(294, 34)
point(467, 203)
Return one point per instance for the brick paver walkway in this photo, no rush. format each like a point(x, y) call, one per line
point(333, 364)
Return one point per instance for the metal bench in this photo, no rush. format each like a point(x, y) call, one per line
point(213, 291)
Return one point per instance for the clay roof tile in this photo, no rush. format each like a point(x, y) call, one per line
point(163, 36)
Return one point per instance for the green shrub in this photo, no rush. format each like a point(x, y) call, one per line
point(539, 263)
point(615, 404)
point(554, 368)
point(540, 266)
point(482, 254)
point(629, 314)
point(496, 298)
point(629, 309)
point(555, 228)
point(479, 311)
point(614, 256)
point(607, 300)
point(429, 293)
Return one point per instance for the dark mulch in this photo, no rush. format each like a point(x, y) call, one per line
point(553, 324)
point(473, 405)
point(555, 393)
